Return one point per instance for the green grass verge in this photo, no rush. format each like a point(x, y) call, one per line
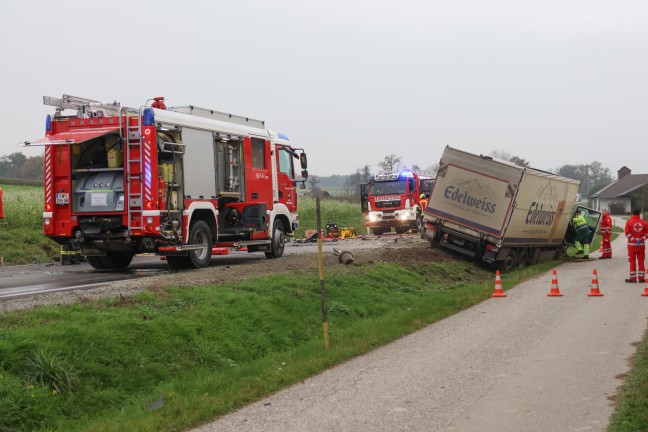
point(21, 234)
point(631, 414)
point(208, 350)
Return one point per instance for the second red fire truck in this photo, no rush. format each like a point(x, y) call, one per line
point(391, 200)
point(181, 182)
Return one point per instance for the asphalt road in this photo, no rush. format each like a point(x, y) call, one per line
point(30, 280)
point(525, 362)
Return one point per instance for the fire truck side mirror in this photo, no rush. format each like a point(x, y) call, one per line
point(302, 185)
point(304, 162)
point(304, 174)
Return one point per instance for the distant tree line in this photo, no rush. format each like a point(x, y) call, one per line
point(593, 176)
point(19, 166)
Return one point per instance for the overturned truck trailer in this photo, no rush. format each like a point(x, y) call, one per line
point(500, 213)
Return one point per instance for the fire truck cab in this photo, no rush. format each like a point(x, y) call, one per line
point(182, 182)
point(391, 200)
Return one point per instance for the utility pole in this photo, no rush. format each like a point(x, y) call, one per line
point(320, 262)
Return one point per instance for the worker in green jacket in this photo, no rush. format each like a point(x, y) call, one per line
point(582, 230)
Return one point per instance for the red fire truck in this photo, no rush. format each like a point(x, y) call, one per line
point(182, 182)
point(391, 200)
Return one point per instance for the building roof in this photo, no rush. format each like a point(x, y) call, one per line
point(622, 187)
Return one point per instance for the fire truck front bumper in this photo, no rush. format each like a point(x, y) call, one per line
point(387, 219)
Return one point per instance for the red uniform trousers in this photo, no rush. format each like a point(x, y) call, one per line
point(606, 245)
point(637, 255)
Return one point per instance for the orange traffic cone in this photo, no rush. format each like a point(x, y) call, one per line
point(645, 293)
point(499, 292)
point(594, 291)
point(555, 291)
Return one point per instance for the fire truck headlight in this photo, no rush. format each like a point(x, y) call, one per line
point(47, 222)
point(373, 217)
point(149, 220)
point(404, 216)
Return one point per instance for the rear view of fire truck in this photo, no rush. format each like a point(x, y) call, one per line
point(391, 200)
point(182, 182)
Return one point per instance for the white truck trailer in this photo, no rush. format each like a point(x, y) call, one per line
point(500, 213)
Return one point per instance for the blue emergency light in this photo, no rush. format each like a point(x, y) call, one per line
point(149, 117)
point(48, 123)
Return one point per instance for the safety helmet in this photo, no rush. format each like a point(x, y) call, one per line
point(422, 196)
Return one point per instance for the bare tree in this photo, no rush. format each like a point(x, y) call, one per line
point(365, 174)
point(352, 184)
point(519, 161)
point(313, 182)
point(391, 163)
point(508, 157)
point(500, 154)
point(432, 169)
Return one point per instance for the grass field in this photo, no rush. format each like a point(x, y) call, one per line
point(345, 214)
point(21, 234)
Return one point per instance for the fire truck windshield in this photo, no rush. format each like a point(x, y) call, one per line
point(395, 187)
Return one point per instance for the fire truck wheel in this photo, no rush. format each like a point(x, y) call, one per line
point(95, 262)
point(378, 231)
point(278, 241)
point(116, 260)
point(402, 229)
point(200, 234)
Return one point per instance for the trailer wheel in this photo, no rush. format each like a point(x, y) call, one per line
point(95, 262)
point(278, 241)
point(200, 234)
point(509, 262)
point(116, 260)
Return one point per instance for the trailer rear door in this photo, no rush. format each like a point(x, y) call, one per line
point(474, 191)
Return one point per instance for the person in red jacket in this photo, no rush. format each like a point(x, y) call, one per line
point(606, 234)
point(636, 229)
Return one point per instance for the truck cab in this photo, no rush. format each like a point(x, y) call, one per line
point(391, 200)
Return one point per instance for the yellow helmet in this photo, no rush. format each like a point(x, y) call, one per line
point(422, 196)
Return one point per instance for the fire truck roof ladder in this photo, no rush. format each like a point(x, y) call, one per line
point(133, 157)
point(84, 106)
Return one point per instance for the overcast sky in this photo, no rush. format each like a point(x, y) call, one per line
point(555, 82)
